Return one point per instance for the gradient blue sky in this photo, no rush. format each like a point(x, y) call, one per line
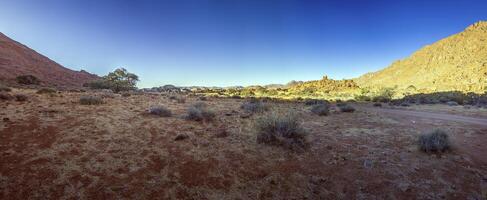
point(233, 42)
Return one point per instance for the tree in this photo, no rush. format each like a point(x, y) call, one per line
point(118, 80)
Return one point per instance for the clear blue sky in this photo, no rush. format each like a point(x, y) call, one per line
point(233, 42)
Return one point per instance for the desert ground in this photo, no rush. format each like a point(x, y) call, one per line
point(51, 147)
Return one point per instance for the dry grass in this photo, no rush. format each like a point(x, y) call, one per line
point(160, 111)
point(281, 129)
point(90, 100)
point(434, 141)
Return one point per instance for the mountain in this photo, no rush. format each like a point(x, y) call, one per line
point(17, 59)
point(458, 62)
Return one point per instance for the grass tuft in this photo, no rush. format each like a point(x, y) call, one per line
point(282, 130)
point(434, 141)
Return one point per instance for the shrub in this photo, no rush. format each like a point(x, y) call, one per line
point(254, 107)
point(377, 104)
point(20, 97)
point(236, 97)
point(452, 103)
point(5, 89)
point(160, 111)
point(346, 108)
point(46, 91)
point(404, 104)
point(434, 141)
point(310, 102)
point(179, 99)
point(282, 130)
point(362, 98)
point(202, 98)
point(321, 109)
point(90, 100)
point(126, 94)
point(5, 96)
point(28, 80)
point(200, 112)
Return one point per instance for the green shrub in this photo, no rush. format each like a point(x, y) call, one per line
point(90, 100)
point(200, 112)
point(160, 111)
point(28, 80)
point(434, 141)
point(282, 130)
point(321, 109)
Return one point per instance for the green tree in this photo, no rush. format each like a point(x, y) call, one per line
point(118, 80)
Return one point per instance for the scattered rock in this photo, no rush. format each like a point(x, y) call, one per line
point(181, 136)
point(245, 115)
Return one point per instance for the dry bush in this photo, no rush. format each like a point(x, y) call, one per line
point(434, 141)
point(282, 130)
point(203, 98)
point(20, 97)
point(126, 94)
point(5, 96)
point(46, 91)
point(160, 111)
point(90, 100)
point(321, 109)
point(179, 99)
point(200, 112)
point(346, 108)
point(254, 106)
point(5, 89)
point(310, 102)
point(28, 80)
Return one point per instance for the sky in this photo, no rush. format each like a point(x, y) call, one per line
point(233, 42)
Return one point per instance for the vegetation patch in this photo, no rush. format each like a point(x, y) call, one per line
point(200, 112)
point(346, 108)
point(90, 100)
point(254, 106)
point(46, 91)
point(5, 89)
point(5, 96)
point(282, 130)
point(20, 97)
point(117, 81)
point(160, 111)
point(434, 141)
point(28, 80)
point(321, 109)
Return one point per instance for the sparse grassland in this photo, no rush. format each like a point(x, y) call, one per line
point(285, 152)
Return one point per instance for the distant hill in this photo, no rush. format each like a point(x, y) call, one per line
point(458, 62)
point(325, 85)
point(17, 59)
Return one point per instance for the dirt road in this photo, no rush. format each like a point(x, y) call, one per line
point(429, 115)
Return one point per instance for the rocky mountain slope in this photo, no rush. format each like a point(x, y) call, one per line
point(17, 59)
point(458, 62)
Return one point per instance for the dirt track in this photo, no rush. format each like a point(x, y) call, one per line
point(435, 116)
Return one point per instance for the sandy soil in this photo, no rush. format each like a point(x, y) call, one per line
point(53, 148)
